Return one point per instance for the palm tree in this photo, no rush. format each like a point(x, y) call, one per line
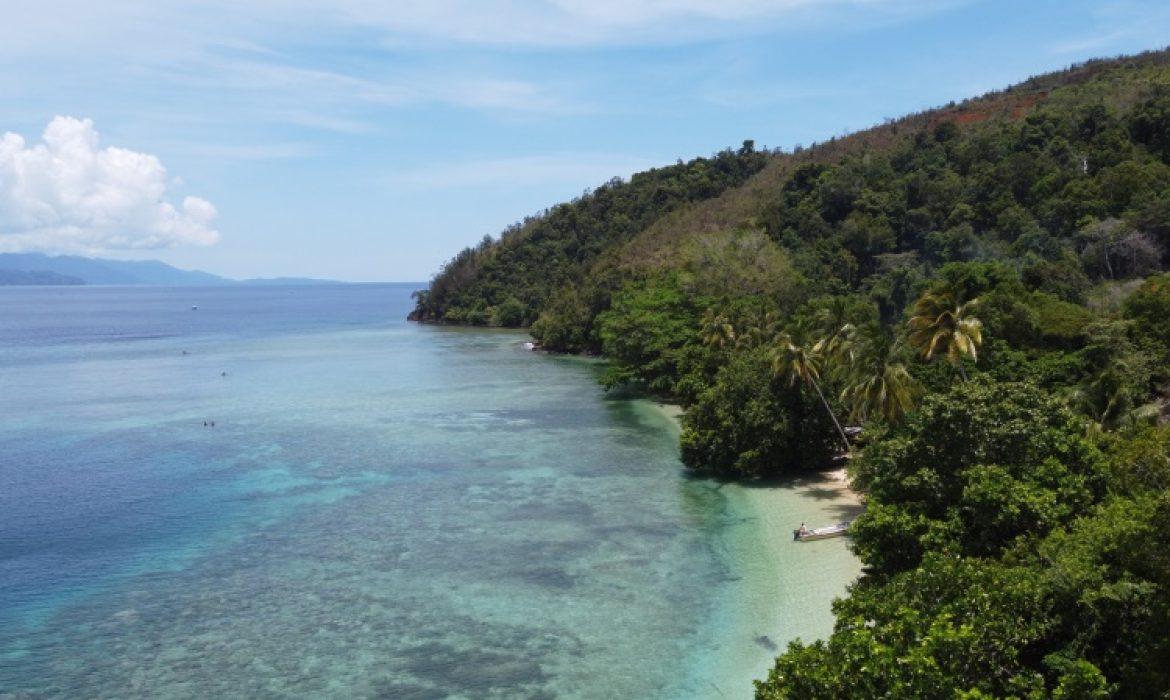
point(941, 325)
point(1107, 402)
point(835, 330)
point(716, 329)
point(877, 384)
point(798, 361)
point(763, 331)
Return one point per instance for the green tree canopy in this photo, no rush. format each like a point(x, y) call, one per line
point(973, 470)
point(748, 426)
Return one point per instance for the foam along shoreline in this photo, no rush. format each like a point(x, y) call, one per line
point(780, 590)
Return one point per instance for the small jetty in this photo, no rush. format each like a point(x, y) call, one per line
point(803, 534)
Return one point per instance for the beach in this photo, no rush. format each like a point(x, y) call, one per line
point(782, 590)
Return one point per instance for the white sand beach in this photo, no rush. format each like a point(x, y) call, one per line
point(782, 590)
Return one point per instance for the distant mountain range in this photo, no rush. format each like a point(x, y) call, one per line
point(39, 269)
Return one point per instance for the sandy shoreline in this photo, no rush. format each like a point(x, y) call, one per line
point(786, 587)
point(781, 590)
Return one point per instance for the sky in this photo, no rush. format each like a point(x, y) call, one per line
point(371, 140)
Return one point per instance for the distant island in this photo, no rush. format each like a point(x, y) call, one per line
point(43, 278)
point(46, 270)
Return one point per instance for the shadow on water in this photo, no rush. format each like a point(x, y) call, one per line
point(835, 500)
point(820, 493)
point(811, 479)
point(846, 511)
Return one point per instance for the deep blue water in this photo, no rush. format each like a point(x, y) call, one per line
point(380, 509)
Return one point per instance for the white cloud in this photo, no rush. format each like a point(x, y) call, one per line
point(338, 101)
point(179, 25)
point(342, 65)
point(70, 195)
point(559, 23)
point(625, 13)
point(1119, 24)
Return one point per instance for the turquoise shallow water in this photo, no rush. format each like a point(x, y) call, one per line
point(381, 509)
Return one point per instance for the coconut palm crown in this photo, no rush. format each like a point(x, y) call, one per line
point(942, 325)
point(716, 329)
point(878, 386)
point(797, 361)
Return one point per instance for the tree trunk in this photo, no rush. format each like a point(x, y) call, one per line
point(840, 430)
point(797, 401)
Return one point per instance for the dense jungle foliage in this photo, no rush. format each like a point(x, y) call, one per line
point(982, 289)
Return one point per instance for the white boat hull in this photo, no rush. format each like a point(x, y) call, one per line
point(821, 533)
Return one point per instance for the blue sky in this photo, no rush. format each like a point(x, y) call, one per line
point(370, 140)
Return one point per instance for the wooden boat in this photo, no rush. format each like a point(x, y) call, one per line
point(803, 534)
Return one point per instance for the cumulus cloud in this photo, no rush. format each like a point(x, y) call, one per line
point(68, 194)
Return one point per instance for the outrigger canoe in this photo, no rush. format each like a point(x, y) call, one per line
point(821, 533)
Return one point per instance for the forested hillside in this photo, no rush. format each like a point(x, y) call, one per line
point(982, 287)
point(506, 282)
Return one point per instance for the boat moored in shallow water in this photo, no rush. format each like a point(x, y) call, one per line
point(803, 534)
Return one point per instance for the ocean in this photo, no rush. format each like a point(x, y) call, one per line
point(278, 492)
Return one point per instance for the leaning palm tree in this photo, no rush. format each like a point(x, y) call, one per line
point(941, 325)
point(716, 330)
point(877, 385)
point(797, 361)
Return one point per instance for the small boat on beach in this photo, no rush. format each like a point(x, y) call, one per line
point(803, 534)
